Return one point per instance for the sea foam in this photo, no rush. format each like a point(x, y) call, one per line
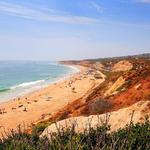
point(27, 84)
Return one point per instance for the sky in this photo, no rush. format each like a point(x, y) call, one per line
point(73, 29)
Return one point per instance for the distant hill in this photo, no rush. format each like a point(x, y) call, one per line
point(145, 55)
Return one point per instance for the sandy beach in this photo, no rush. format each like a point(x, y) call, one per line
point(41, 104)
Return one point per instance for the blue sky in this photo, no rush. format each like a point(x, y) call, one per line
point(73, 29)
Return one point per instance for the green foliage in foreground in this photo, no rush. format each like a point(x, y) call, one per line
point(39, 128)
point(132, 137)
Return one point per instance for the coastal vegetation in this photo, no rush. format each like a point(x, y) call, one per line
point(132, 136)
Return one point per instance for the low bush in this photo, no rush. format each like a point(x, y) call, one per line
point(100, 106)
point(132, 137)
point(39, 128)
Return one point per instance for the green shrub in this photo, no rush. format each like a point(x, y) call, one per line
point(132, 137)
point(39, 128)
point(100, 106)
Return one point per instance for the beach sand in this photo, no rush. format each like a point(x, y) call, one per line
point(41, 104)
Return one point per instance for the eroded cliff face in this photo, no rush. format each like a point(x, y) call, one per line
point(116, 119)
point(123, 65)
point(120, 89)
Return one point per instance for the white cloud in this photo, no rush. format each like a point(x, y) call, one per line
point(43, 14)
point(98, 7)
point(50, 15)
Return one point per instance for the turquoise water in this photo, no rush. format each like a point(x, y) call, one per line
point(21, 77)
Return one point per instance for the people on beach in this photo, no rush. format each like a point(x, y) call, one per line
point(2, 111)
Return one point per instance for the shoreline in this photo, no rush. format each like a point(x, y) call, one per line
point(42, 104)
point(75, 69)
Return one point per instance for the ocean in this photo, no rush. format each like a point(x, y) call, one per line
point(21, 77)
